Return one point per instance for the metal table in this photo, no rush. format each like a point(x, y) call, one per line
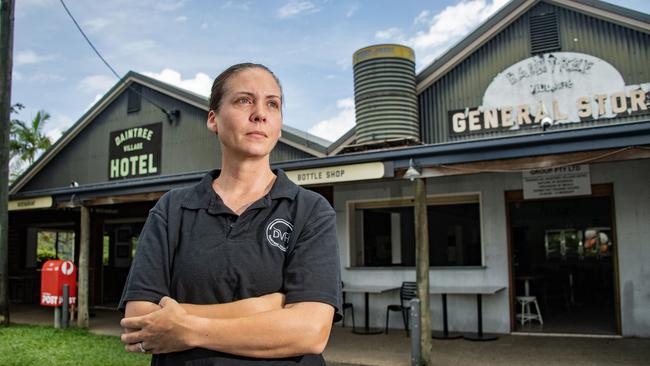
point(366, 290)
point(479, 291)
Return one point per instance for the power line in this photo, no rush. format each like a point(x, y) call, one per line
point(88, 40)
point(171, 115)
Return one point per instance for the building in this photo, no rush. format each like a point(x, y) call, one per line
point(533, 135)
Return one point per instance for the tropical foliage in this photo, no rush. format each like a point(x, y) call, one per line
point(26, 140)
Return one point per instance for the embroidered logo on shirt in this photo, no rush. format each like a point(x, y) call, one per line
point(278, 233)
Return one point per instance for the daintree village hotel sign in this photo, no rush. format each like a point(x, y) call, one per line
point(135, 152)
point(549, 89)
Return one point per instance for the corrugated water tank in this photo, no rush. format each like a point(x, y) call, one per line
point(384, 94)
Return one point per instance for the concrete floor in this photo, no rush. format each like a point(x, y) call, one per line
point(346, 348)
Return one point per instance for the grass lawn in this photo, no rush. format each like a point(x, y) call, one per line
point(40, 345)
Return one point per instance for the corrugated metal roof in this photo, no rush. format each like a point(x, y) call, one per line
point(561, 142)
point(305, 141)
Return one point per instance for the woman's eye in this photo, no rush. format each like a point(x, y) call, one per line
point(244, 100)
point(274, 104)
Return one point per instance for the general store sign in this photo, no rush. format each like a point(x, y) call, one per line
point(550, 89)
point(557, 182)
point(135, 152)
point(339, 173)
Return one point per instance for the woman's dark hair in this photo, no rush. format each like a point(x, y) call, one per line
point(219, 84)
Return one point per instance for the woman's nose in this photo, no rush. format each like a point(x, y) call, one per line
point(258, 115)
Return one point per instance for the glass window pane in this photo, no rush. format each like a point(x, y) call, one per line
point(106, 249)
point(454, 235)
point(388, 237)
point(45, 246)
point(65, 245)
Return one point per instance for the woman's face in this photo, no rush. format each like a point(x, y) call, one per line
point(249, 119)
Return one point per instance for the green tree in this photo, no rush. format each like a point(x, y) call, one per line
point(26, 141)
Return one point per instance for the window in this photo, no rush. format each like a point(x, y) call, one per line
point(106, 251)
point(54, 244)
point(134, 100)
point(134, 244)
point(454, 234)
point(382, 233)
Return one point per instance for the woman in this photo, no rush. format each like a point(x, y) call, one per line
point(243, 267)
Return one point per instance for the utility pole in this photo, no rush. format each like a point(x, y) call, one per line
point(422, 268)
point(6, 64)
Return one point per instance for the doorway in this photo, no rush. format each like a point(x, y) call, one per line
point(562, 256)
point(119, 244)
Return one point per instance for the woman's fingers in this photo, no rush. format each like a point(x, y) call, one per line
point(136, 322)
point(132, 338)
point(140, 347)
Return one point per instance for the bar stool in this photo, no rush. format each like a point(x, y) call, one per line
point(525, 314)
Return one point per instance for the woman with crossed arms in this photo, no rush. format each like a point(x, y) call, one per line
point(242, 268)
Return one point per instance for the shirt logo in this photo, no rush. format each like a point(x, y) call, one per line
point(278, 233)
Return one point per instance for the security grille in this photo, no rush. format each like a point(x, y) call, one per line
point(544, 33)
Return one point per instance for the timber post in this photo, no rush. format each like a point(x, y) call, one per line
point(84, 253)
point(422, 270)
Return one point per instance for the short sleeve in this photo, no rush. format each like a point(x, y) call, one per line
point(149, 276)
point(312, 269)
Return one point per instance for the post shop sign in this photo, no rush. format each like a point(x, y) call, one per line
point(135, 152)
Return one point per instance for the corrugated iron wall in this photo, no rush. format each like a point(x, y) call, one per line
point(625, 49)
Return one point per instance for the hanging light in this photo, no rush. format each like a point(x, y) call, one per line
point(412, 172)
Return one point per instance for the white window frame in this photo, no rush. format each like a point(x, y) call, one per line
point(405, 201)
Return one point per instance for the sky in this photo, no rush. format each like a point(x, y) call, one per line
point(307, 43)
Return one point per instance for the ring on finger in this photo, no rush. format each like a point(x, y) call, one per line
point(142, 349)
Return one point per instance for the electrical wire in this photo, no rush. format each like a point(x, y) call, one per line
point(89, 42)
point(170, 114)
point(521, 170)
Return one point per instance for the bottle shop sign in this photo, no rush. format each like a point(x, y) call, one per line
point(135, 152)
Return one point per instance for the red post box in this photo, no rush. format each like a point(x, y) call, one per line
point(54, 275)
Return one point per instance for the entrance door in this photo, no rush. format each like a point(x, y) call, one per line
point(119, 243)
point(562, 257)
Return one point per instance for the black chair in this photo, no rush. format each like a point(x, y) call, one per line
point(347, 305)
point(406, 293)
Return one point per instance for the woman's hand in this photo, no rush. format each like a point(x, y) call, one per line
point(162, 331)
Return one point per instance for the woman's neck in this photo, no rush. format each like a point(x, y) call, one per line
point(245, 175)
point(244, 182)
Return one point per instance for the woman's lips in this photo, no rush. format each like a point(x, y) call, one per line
point(257, 134)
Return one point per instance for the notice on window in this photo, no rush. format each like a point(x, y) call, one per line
point(557, 182)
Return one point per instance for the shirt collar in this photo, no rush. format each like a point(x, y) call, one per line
point(202, 195)
point(283, 186)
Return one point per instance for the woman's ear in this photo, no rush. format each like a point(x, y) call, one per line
point(212, 122)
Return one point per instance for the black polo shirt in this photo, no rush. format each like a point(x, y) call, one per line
point(194, 249)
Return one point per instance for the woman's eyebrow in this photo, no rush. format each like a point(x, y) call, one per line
point(245, 93)
point(253, 95)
